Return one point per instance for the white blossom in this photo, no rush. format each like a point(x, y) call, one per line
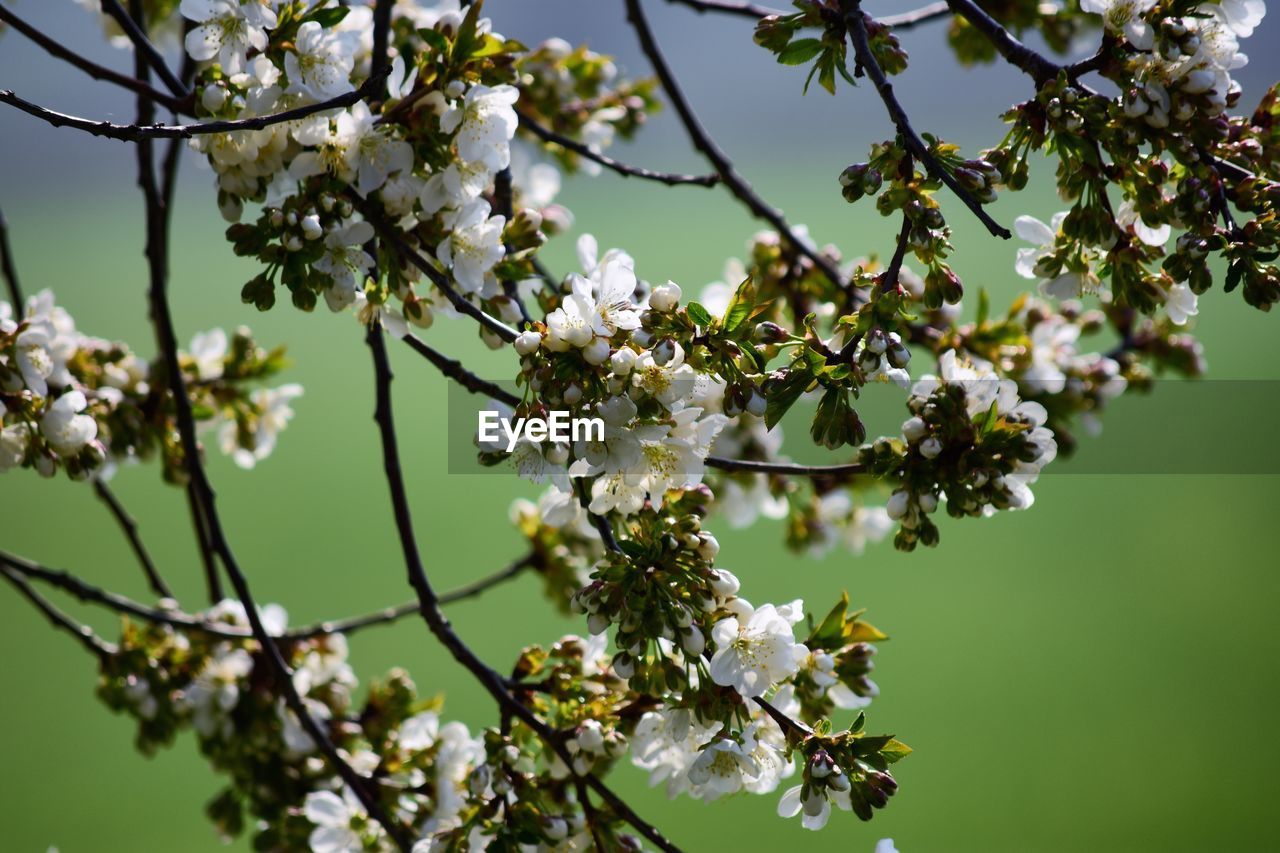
point(754, 651)
point(227, 30)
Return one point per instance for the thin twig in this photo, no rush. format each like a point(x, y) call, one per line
point(627, 171)
point(789, 469)
point(381, 62)
point(130, 529)
point(1014, 51)
point(87, 592)
point(707, 146)
point(916, 17)
point(454, 369)
point(143, 46)
point(91, 641)
point(140, 131)
point(8, 268)
point(389, 234)
point(730, 7)
point(435, 618)
point(914, 144)
point(93, 69)
point(212, 582)
point(503, 206)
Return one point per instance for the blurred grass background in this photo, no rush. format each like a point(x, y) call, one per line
point(1094, 674)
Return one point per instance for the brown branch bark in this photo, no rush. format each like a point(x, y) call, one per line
point(627, 171)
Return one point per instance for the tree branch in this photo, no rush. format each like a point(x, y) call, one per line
point(87, 592)
point(789, 469)
point(1014, 51)
point(143, 46)
point(914, 144)
point(669, 178)
point(8, 268)
point(916, 17)
point(454, 370)
point(93, 69)
point(730, 7)
point(429, 602)
point(148, 130)
point(390, 234)
point(91, 641)
point(707, 146)
point(130, 529)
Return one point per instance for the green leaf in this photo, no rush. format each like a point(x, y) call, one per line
point(894, 750)
point(784, 395)
point(698, 314)
point(800, 51)
point(465, 42)
point(984, 305)
point(328, 17)
point(741, 306)
point(832, 625)
point(827, 72)
point(436, 39)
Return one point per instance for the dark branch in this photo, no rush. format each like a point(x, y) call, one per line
point(212, 582)
point(91, 641)
point(916, 17)
point(502, 206)
point(381, 34)
point(915, 145)
point(93, 69)
point(627, 171)
point(730, 7)
point(143, 47)
point(789, 469)
point(130, 529)
point(391, 235)
point(429, 602)
point(140, 131)
point(1014, 51)
point(707, 146)
point(453, 369)
point(8, 268)
point(87, 592)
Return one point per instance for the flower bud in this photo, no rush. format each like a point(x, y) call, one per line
point(914, 429)
point(664, 351)
point(692, 641)
point(898, 503)
point(665, 297)
point(724, 583)
point(623, 361)
point(213, 97)
point(624, 665)
point(596, 352)
point(930, 448)
point(527, 343)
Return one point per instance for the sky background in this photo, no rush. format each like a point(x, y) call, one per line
point(1094, 674)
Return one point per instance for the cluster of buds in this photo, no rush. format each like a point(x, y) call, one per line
point(660, 595)
point(81, 404)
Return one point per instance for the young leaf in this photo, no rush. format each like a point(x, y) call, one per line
point(699, 315)
point(800, 51)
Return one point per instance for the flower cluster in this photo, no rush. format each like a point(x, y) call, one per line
point(85, 405)
point(219, 685)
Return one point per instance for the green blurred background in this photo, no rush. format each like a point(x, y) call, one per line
point(1094, 674)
